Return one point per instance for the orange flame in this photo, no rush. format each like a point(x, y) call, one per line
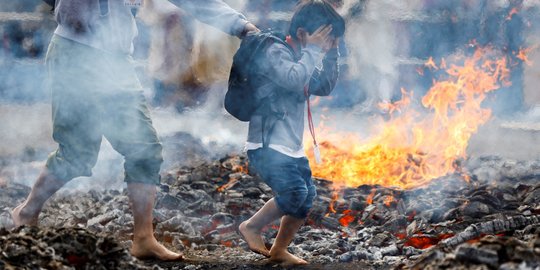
point(335, 197)
point(523, 55)
point(229, 184)
point(369, 198)
point(412, 148)
point(237, 168)
point(431, 64)
point(241, 168)
point(389, 200)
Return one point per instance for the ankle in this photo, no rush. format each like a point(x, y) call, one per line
point(278, 251)
point(143, 237)
point(248, 225)
point(26, 211)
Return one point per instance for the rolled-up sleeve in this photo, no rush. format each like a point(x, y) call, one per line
point(215, 13)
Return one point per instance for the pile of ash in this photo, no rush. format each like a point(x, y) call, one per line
point(487, 219)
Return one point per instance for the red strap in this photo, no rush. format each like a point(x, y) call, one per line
point(310, 117)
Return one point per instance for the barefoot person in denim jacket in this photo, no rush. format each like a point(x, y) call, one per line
point(289, 75)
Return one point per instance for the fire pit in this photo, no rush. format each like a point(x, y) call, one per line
point(489, 219)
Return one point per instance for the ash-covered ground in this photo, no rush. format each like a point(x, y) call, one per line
point(490, 222)
point(485, 217)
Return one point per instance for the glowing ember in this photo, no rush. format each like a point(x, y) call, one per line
point(335, 196)
point(369, 199)
point(389, 200)
point(227, 243)
point(241, 168)
point(233, 179)
point(417, 145)
point(229, 184)
point(423, 241)
point(347, 218)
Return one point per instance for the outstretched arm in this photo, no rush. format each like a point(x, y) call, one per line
point(218, 14)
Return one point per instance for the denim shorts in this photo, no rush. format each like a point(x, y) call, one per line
point(289, 178)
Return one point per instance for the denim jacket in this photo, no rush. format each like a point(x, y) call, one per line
point(284, 79)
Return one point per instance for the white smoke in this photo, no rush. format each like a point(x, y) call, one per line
point(378, 49)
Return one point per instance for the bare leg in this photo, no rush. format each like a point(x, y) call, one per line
point(45, 186)
point(251, 228)
point(288, 228)
point(145, 245)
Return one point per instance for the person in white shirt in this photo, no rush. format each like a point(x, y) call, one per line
point(96, 93)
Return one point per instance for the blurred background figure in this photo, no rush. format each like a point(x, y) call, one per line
point(385, 48)
point(25, 29)
point(186, 58)
point(189, 62)
point(371, 41)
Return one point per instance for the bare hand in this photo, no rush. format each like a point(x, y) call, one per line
point(331, 43)
point(250, 28)
point(320, 37)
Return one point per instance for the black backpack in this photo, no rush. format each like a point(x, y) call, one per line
point(240, 100)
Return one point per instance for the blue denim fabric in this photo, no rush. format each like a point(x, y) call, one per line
point(289, 178)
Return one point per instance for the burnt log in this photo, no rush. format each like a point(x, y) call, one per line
point(489, 227)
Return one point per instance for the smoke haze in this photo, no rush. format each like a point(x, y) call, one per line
point(385, 46)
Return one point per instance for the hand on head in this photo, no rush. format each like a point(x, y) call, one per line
point(321, 37)
point(332, 43)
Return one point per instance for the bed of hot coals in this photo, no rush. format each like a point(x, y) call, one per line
point(486, 217)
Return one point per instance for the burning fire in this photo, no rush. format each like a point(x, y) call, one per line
point(523, 55)
point(417, 145)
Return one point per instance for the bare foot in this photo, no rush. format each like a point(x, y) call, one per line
point(149, 248)
point(285, 258)
point(21, 218)
point(254, 239)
